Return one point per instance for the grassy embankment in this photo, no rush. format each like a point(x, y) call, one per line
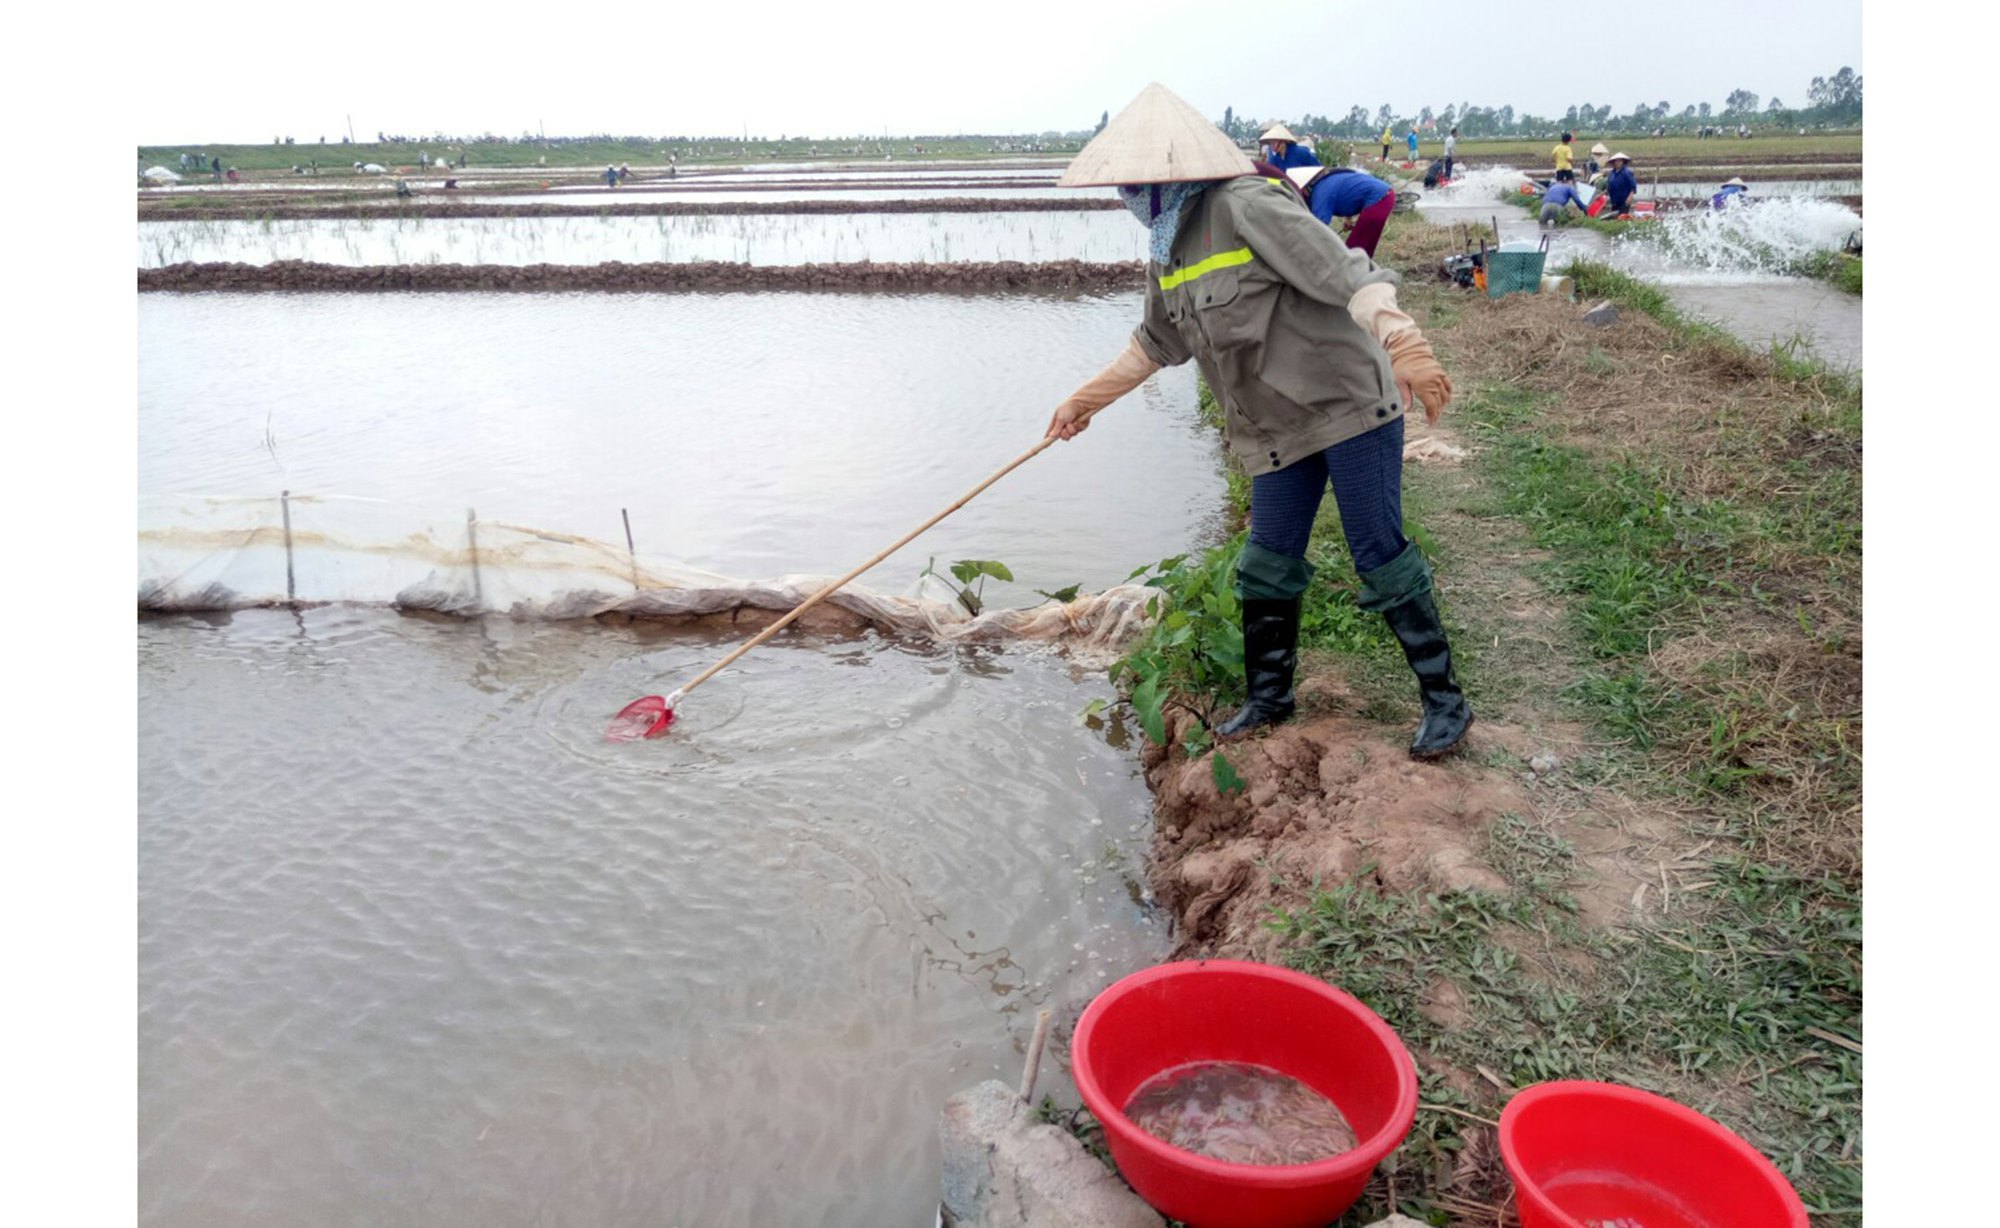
point(485, 155)
point(1832, 146)
point(1692, 510)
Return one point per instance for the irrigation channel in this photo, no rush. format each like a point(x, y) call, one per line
point(1727, 267)
point(412, 935)
point(416, 945)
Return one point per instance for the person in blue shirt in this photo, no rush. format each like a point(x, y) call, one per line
point(1413, 144)
point(1557, 200)
point(1730, 191)
point(1333, 192)
point(1284, 150)
point(1619, 187)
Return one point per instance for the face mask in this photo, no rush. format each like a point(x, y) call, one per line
point(1158, 207)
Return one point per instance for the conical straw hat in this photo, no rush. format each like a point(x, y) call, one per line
point(1278, 132)
point(1159, 138)
point(1305, 175)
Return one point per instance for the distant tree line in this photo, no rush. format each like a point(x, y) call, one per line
point(1832, 102)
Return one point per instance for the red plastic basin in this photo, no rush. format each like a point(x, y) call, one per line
point(1230, 1011)
point(1589, 1154)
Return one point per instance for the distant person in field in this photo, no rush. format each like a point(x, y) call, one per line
point(1284, 150)
point(1339, 192)
point(1732, 193)
point(610, 176)
point(1598, 153)
point(1450, 151)
point(1562, 154)
point(1388, 139)
point(1557, 200)
point(1620, 186)
point(215, 165)
point(1413, 144)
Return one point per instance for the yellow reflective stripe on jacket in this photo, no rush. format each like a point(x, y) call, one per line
point(1220, 260)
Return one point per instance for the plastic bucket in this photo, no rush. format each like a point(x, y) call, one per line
point(1230, 1011)
point(1596, 1153)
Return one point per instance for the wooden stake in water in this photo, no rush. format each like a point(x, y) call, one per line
point(291, 586)
point(1034, 1067)
point(630, 549)
point(472, 542)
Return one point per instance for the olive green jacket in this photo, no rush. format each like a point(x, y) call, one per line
point(1256, 291)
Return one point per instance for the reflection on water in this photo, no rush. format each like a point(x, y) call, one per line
point(748, 434)
point(417, 946)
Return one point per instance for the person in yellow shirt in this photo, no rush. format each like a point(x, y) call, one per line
point(1562, 151)
point(1388, 136)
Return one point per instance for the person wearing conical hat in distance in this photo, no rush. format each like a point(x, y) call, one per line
point(1302, 342)
point(1598, 153)
point(1620, 186)
point(1365, 201)
point(1388, 139)
point(1285, 151)
point(1731, 190)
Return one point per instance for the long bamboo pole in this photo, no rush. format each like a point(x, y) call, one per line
point(834, 586)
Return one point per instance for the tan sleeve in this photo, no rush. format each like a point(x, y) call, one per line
point(1374, 309)
point(1126, 372)
point(1285, 235)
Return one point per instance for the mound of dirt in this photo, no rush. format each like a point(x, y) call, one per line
point(1325, 797)
point(1065, 276)
point(289, 206)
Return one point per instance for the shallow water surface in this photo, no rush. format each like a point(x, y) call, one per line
point(417, 947)
point(760, 239)
point(748, 434)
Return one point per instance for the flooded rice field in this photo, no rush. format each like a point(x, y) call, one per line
point(748, 434)
point(590, 199)
point(416, 946)
point(1731, 267)
point(762, 239)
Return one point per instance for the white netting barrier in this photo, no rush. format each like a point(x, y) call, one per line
point(210, 553)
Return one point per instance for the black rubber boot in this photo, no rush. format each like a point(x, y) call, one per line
point(1270, 660)
point(1446, 714)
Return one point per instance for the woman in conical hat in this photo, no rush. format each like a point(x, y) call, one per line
point(1314, 364)
point(1284, 150)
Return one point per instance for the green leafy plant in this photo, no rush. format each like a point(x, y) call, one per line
point(1227, 781)
point(1195, 646)
point(971, 575)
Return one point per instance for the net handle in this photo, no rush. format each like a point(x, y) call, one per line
point(834, 585)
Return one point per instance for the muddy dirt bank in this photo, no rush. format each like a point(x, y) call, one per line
point(1325, 797)
point(1065, 276)
point(432, 206)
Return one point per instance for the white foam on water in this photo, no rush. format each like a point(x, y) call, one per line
point(1482, 186)
point(1755, 241)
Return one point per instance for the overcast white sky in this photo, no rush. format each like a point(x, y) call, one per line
point(244, 73)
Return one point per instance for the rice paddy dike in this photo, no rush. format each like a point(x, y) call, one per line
point(1645, 868)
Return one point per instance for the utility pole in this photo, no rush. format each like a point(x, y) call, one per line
point(350, 127)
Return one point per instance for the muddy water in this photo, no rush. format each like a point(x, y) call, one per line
point(749, 239)
point(748, 434)
point(1715, 266)
point(416, 947)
